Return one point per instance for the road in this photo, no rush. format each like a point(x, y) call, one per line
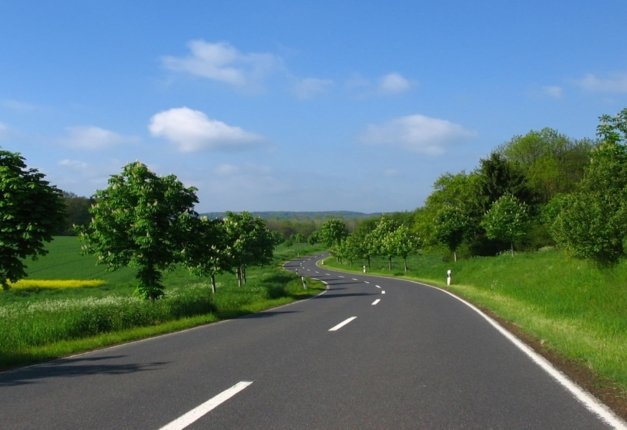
point(370, 353)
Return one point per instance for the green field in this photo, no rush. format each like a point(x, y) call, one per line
point(571, 306)
point(42, 323)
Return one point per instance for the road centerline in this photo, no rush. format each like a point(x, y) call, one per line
point(342, 324)
point(204, 408)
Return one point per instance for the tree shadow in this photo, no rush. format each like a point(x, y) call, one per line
point(73, 367)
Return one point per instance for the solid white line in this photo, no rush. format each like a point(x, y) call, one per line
point(588, 400)
point(376, 302)
point(201, 410)
point(342, 324)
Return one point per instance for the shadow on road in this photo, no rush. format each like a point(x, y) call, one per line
point(71, 367)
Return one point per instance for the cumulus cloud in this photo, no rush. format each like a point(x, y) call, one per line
point(394, 83)
point(93, 138)
point(308, 88)
point(191, 130)
point(224, 63)
point(417, 133)
point(614, 83)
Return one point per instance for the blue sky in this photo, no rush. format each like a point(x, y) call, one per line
point(299, 105)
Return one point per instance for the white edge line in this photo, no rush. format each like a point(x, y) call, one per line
point(203, 409)
point(376, 302)
point(342, 324)
point(588, 400)
point(591, 403)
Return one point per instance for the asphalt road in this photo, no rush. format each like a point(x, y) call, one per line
point(399, 356)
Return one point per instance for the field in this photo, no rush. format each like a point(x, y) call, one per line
point(41, 321)
point(569, 306)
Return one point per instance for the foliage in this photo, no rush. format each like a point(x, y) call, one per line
point(333, 231)
point(551, 162)
point(451, 225)
point(401, 242)
point(76, 211)
point(141, 220)
point(506, 220)
point(209, 253)
point(30, 210)
point(498, 176)
point(592, 222)
point(249, 242)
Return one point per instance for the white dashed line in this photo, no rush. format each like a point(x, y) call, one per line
point(383, 292)
point(203, 409)
point(376, 302)
point(342, 324)
point(378, 286)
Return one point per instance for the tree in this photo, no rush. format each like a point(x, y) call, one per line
point(377, 239)
point(506, 220)
point(498, 176)
point(333, 232)
point(141, 220)
point(30, 210)
point(249, 240)
point(451, 225)
point(208, 252)
point(593, 221)
point(401, 242)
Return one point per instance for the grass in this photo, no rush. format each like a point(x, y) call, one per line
point(571, 306)
point(39, 323)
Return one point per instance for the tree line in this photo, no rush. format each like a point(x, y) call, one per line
point(140, 220)
point(538, 190)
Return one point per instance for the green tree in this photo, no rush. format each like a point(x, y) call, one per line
point(141, 220)
point(450, 226)
point(332, 232)
point(401, 242)
point(377, 239)
point(208, 253)
point(506, 220)
point(250, 242)
point(593, 221)
point(30, 210)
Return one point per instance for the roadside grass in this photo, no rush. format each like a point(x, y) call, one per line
point(42, 323)
point(571, 306)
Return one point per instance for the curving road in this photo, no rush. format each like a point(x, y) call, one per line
point(370, 353)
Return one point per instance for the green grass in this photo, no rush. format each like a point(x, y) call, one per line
point(39, 323)
point(574, 307)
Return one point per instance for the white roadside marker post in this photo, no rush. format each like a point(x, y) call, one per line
point(304, 282)
point(448, 277)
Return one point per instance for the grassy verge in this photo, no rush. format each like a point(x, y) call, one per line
point(571, 307)
point(42, 323)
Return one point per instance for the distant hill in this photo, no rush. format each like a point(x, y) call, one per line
point(287, 215)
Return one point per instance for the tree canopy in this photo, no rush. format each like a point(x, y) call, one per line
point(30, 210)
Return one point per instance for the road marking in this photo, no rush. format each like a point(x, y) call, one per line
point(327, 274)
point(366, 282)
point(355, 279)
point(342, 324)
point(376, 302)
point(340, 276)
point(378, 286)
point(383, 292)
point(203, 409)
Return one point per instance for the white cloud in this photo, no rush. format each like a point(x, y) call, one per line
point(17, 106)
point(74, 164)
point(417, 133)
point(552, 91)
point(614, 83)
point(308, 88)
point(192, 130)
point(94, 138)
point(394, 83)
point(226, 170)
point(224, 63)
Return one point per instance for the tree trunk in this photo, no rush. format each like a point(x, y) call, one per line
point(244, 274)
point(512, 248)
point(213, 283)
point(455, 256)
point(239, 276)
